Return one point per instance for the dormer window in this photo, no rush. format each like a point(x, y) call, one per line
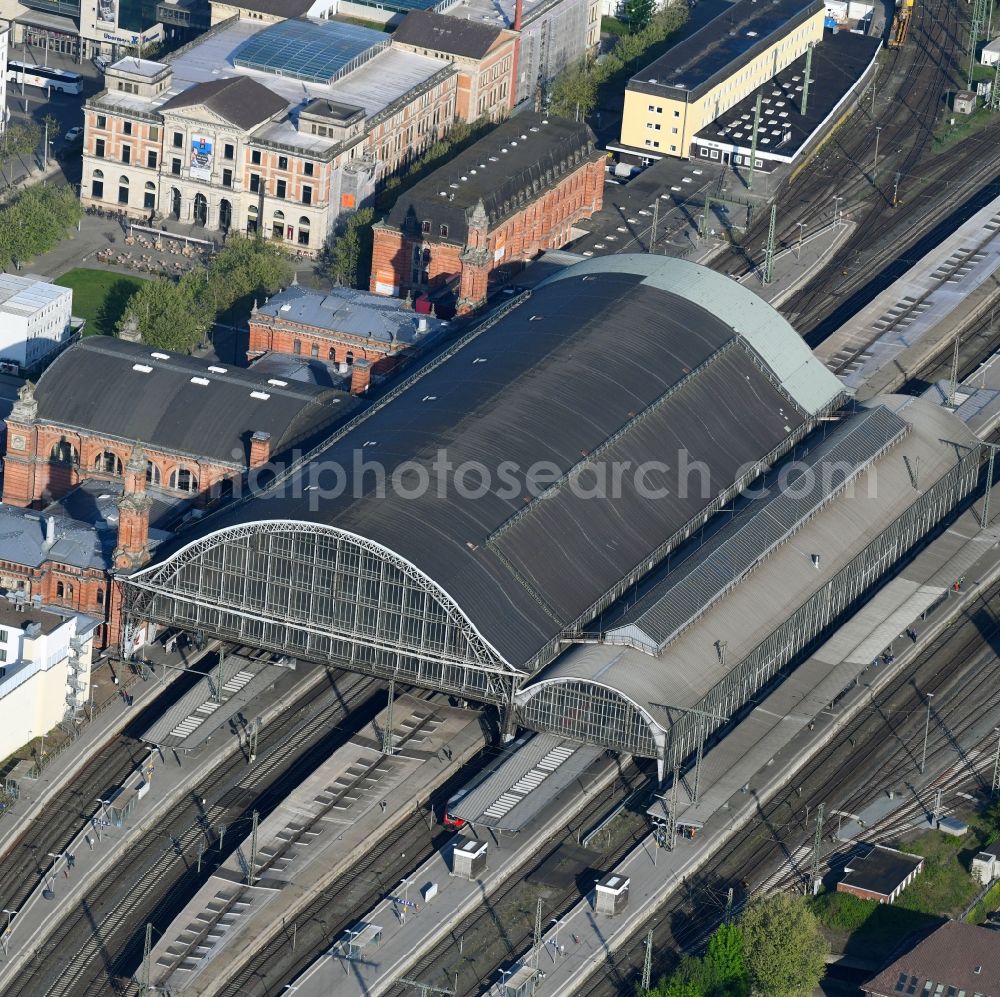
point(425, 226)
point(444, 231)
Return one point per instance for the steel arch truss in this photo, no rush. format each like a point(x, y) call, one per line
point(321, 594)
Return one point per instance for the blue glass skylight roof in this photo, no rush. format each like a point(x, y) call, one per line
point(309, 49)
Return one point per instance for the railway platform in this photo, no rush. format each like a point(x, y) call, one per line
point(766, 750)
point(916, 318)
point(433, 900)
point(314, 836)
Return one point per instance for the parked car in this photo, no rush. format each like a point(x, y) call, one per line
point(73, 134)
point(101, 62)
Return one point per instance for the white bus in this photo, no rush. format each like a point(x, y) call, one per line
point(44, 77)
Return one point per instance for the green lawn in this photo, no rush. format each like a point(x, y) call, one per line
point(99, 296)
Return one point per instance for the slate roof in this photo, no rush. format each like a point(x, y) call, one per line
point(881, 870)
point(441, 33)
point(94, 386)
point(368, 316)
point(496, 170)
point(613, 357)
point(961, 957)
point(238, 99)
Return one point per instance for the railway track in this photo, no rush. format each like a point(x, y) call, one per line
point(98, 944)
point(896, 719)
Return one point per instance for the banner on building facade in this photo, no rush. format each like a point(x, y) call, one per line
point(201, 157)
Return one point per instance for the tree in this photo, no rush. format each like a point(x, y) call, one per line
point(725, 971)
point(638, 13)
point(349, 252)
point(784, 950)
point(20, 140)
point(573, 93)
point(170, 316)
point(35, 220)
point(246, 268)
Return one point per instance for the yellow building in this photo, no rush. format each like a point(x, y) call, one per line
point(701, 77)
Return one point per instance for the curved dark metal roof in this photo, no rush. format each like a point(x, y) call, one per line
point(131, 391)
point(615, 363)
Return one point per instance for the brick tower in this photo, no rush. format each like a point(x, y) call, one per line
point(476, 262)
point(22, 440)
point(132, 551)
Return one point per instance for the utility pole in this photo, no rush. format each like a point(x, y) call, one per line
point(672, 814)
point(701, 751)
point(989, 483)
point(753, 143)
point(252, 736)
point(927, 727)
point(147, 948)
point(769, 252)
point(728, 916)
point(980, 9)
point(817, 844)
point(703, 228)
point(895, 190)
point(387, 748)
point(798, 251)
point(647, 963)
point(807, 80)
point(219, 677)
point(538, 936)
point(953, 380)
point(253, 849)
point(837, 198)
point(878, 135)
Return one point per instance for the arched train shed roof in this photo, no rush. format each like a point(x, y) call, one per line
point(621, 360)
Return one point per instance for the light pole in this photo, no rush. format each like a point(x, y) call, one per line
point(837, 198)
point(6, 931)
point(878, 133)
point(798, 252)
point(927, 727)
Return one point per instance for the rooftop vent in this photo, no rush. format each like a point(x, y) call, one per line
point(277, 382)
point(504, 149)
point(160, 356)
point(751, 34)
point(142, 368)
point(200, 380)
point(285, 308)
point(217, 370)
point(262, 395)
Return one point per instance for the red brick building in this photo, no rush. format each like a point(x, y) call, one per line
point(499, 203)
point(342, 328)
point(485, 56)
point(203, 427)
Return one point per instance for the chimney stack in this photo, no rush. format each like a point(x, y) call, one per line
point(260, 448)
point(518, 14)
point(50, 533)
point(361, 375)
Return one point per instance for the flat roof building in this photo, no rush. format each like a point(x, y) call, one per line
point(35, 319)
point(276, 128)
point(695, 81)
point(881, 875)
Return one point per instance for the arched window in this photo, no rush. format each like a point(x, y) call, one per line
point(60, 590)
point(184, 480)
point(252, 218)
point(63, 452)
point(303, 237)
point(98, 174)
point(123, 180)
point(108, 463)
point(150, 185)
point(100, 597)
point(152, 473)
point(278, 224)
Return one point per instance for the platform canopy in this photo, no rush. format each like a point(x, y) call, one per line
point(456, 531)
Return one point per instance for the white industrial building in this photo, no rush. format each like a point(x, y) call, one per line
point(45, 661)
point(990, 54)
point(35, 318)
